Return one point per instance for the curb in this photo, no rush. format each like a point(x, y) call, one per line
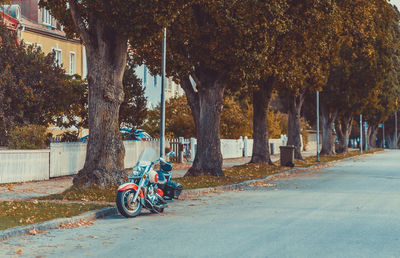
point(53, 224)
point(106, 212)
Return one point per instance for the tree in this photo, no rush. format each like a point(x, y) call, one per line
point(364, 62)
point(33, 89)
point(179, 120)
point(105, 28)
point(304, 55)
point(213, 43)
point(133, 109)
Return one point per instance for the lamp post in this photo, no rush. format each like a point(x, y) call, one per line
point(162, 123)
point(361, 135)
point(395, 130)
point(366, 135)
point(317, 126)
point(383, 135)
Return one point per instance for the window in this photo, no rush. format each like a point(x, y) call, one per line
point(46, 17)
point(72, 63)
point(58, 56)
point(155, 81)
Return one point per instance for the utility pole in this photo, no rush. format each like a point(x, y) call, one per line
point(395, 130)
point(361, 135)
point(317, 126)
point(383, 135)
point(366, 135)
point(162, 124)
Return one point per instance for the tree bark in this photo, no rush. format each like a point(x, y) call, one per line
point(294, 124)
point(328, 139)
point(372, 132)
point(261, 99)
point(343, 131)
point(106, 59)
point(206, 106)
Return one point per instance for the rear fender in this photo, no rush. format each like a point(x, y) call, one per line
point(128, 186)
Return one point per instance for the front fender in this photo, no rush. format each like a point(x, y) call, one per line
point(128, 186)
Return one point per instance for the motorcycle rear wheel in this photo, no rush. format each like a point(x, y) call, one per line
point(125, 205)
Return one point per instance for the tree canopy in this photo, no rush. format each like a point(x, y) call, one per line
point(33, 88)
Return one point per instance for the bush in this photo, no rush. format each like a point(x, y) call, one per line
point(29, 137)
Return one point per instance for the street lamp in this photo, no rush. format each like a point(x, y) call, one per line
point(163, 65)
point(361, 135)
point(317, 126)
point(395, 130)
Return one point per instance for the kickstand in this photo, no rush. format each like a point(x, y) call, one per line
point(156, 211)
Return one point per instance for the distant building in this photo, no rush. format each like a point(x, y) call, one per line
point(152, 86)
point(38, 28)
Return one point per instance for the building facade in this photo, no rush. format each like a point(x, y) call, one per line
point(152, 86)
point(38, 28)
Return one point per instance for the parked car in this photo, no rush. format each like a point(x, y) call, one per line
point(135, 134)
point(127, 135)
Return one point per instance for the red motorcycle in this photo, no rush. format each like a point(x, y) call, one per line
point(147, 188)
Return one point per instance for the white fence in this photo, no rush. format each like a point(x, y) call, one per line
point(231, 148)
point(68, 158)
point(24, 165)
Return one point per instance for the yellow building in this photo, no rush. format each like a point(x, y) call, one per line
point(68, 52)
point(38, 28)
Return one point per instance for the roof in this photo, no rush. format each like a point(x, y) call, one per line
point(11, 22)
point(44, 30)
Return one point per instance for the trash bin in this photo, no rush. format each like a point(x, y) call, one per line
point(287, 155)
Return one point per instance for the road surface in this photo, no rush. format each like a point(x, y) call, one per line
point(349, 210)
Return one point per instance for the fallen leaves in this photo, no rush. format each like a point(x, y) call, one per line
point(10, 187)
point(35, 231)
point(77, 224)
point(20, 213)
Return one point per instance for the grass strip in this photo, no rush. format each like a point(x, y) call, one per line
point(233, 175)
point(16, 213)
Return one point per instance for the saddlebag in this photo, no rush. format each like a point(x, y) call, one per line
point(172, 189)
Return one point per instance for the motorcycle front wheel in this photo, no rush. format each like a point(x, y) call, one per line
point(125, 205)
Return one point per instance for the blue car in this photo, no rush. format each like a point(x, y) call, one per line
point(135, 135)
point(128, 135)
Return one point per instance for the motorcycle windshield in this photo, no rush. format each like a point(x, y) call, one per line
point(146, 157)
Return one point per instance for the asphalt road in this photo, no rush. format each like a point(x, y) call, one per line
point(349, 210)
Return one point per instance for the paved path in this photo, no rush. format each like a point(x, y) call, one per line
point(349, 210)
point(58, 185)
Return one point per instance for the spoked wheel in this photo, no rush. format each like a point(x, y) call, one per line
point(125, 205)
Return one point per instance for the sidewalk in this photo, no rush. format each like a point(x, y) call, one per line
point(20, 191)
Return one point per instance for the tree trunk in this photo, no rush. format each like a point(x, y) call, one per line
point(343, 131)
point(328, 139)
point(261, 98)
point(206, 106)
point(106, 59)
point(294, 124)
point(372, 132)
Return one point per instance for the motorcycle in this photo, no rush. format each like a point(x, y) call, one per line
point(147, 188)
